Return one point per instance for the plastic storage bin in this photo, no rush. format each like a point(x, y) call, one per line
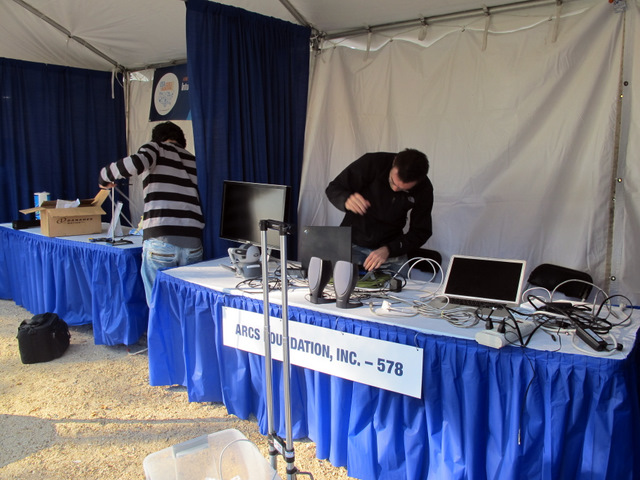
point(224, 455)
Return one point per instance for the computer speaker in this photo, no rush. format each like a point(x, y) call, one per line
point(345, 277)
point(318, 274)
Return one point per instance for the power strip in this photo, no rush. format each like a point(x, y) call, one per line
point(493, 338)
point(591, 338)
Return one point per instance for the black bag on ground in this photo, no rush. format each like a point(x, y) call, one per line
point(42, 338)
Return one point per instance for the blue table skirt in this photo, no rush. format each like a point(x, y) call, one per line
point(485, 413)
point(81, 282)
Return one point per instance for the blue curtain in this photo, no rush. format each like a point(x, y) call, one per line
point(248, 77)
point(58, 127)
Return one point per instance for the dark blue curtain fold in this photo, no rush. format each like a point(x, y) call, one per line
point(248, 78)
point(58, 127)
point(81, 282)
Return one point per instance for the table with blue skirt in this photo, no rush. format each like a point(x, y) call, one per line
point(81, 281)
point(546, 412)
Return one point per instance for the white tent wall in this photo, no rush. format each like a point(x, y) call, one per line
point(520, 135)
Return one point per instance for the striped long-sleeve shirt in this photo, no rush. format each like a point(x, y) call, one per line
point(170, 188)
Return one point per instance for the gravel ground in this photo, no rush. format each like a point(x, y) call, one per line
point(91, 414)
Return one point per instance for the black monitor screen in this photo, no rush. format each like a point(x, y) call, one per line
point(327, 243)
point(244, 204)
point(485, 278)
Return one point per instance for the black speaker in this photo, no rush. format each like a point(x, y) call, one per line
point(345, 277)
point(318, 274)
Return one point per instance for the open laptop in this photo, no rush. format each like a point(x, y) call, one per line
point(484, 281)
point(328, 243)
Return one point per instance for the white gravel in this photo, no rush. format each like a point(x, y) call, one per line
point(92, 414)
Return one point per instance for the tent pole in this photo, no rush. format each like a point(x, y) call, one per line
point(296, 14)
point(478, 12)
point(621, 137)
point(126, 85)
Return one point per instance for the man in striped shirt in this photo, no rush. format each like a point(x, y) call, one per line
point(173, 221)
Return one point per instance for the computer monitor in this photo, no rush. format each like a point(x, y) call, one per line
point(244, 204)
point(485, 280)
point(327, 243)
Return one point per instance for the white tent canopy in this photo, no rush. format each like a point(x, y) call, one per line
point(134, 35)
point(525, 109)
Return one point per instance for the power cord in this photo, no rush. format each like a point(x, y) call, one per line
point(254, 285)
point(458, 316)
point(524, 398)
point(591, 324)
point(435, 267)
point(385, 310)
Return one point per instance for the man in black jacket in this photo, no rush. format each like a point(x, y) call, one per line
point(377, 192)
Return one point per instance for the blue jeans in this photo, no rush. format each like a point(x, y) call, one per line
point(157, 255)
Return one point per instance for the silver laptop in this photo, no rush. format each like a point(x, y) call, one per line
point(484, 281)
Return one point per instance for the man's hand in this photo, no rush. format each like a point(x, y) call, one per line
point(357, 204)
point(376, 258)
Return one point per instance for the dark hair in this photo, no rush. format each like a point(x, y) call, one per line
point(168, 131)
point(412, 165)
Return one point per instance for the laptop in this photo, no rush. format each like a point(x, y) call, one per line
point(484, 281)
point(327, 243)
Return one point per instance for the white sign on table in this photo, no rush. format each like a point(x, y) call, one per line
point(379, 363)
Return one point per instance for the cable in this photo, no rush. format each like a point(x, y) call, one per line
point(574, 317)
point(435, 267)
point(254, 285)
point(553, 323)
point(524, 399)
point(607, 302)
point(522, 342)
point(460, 316)
point(512, 336)
point(386, 307)
point(558, 334)
point(584, 315)
point(525, 294)
point(430, 261)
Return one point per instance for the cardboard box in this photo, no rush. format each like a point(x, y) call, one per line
point(81, 220)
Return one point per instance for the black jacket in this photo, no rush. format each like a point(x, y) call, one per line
point(384, 222)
